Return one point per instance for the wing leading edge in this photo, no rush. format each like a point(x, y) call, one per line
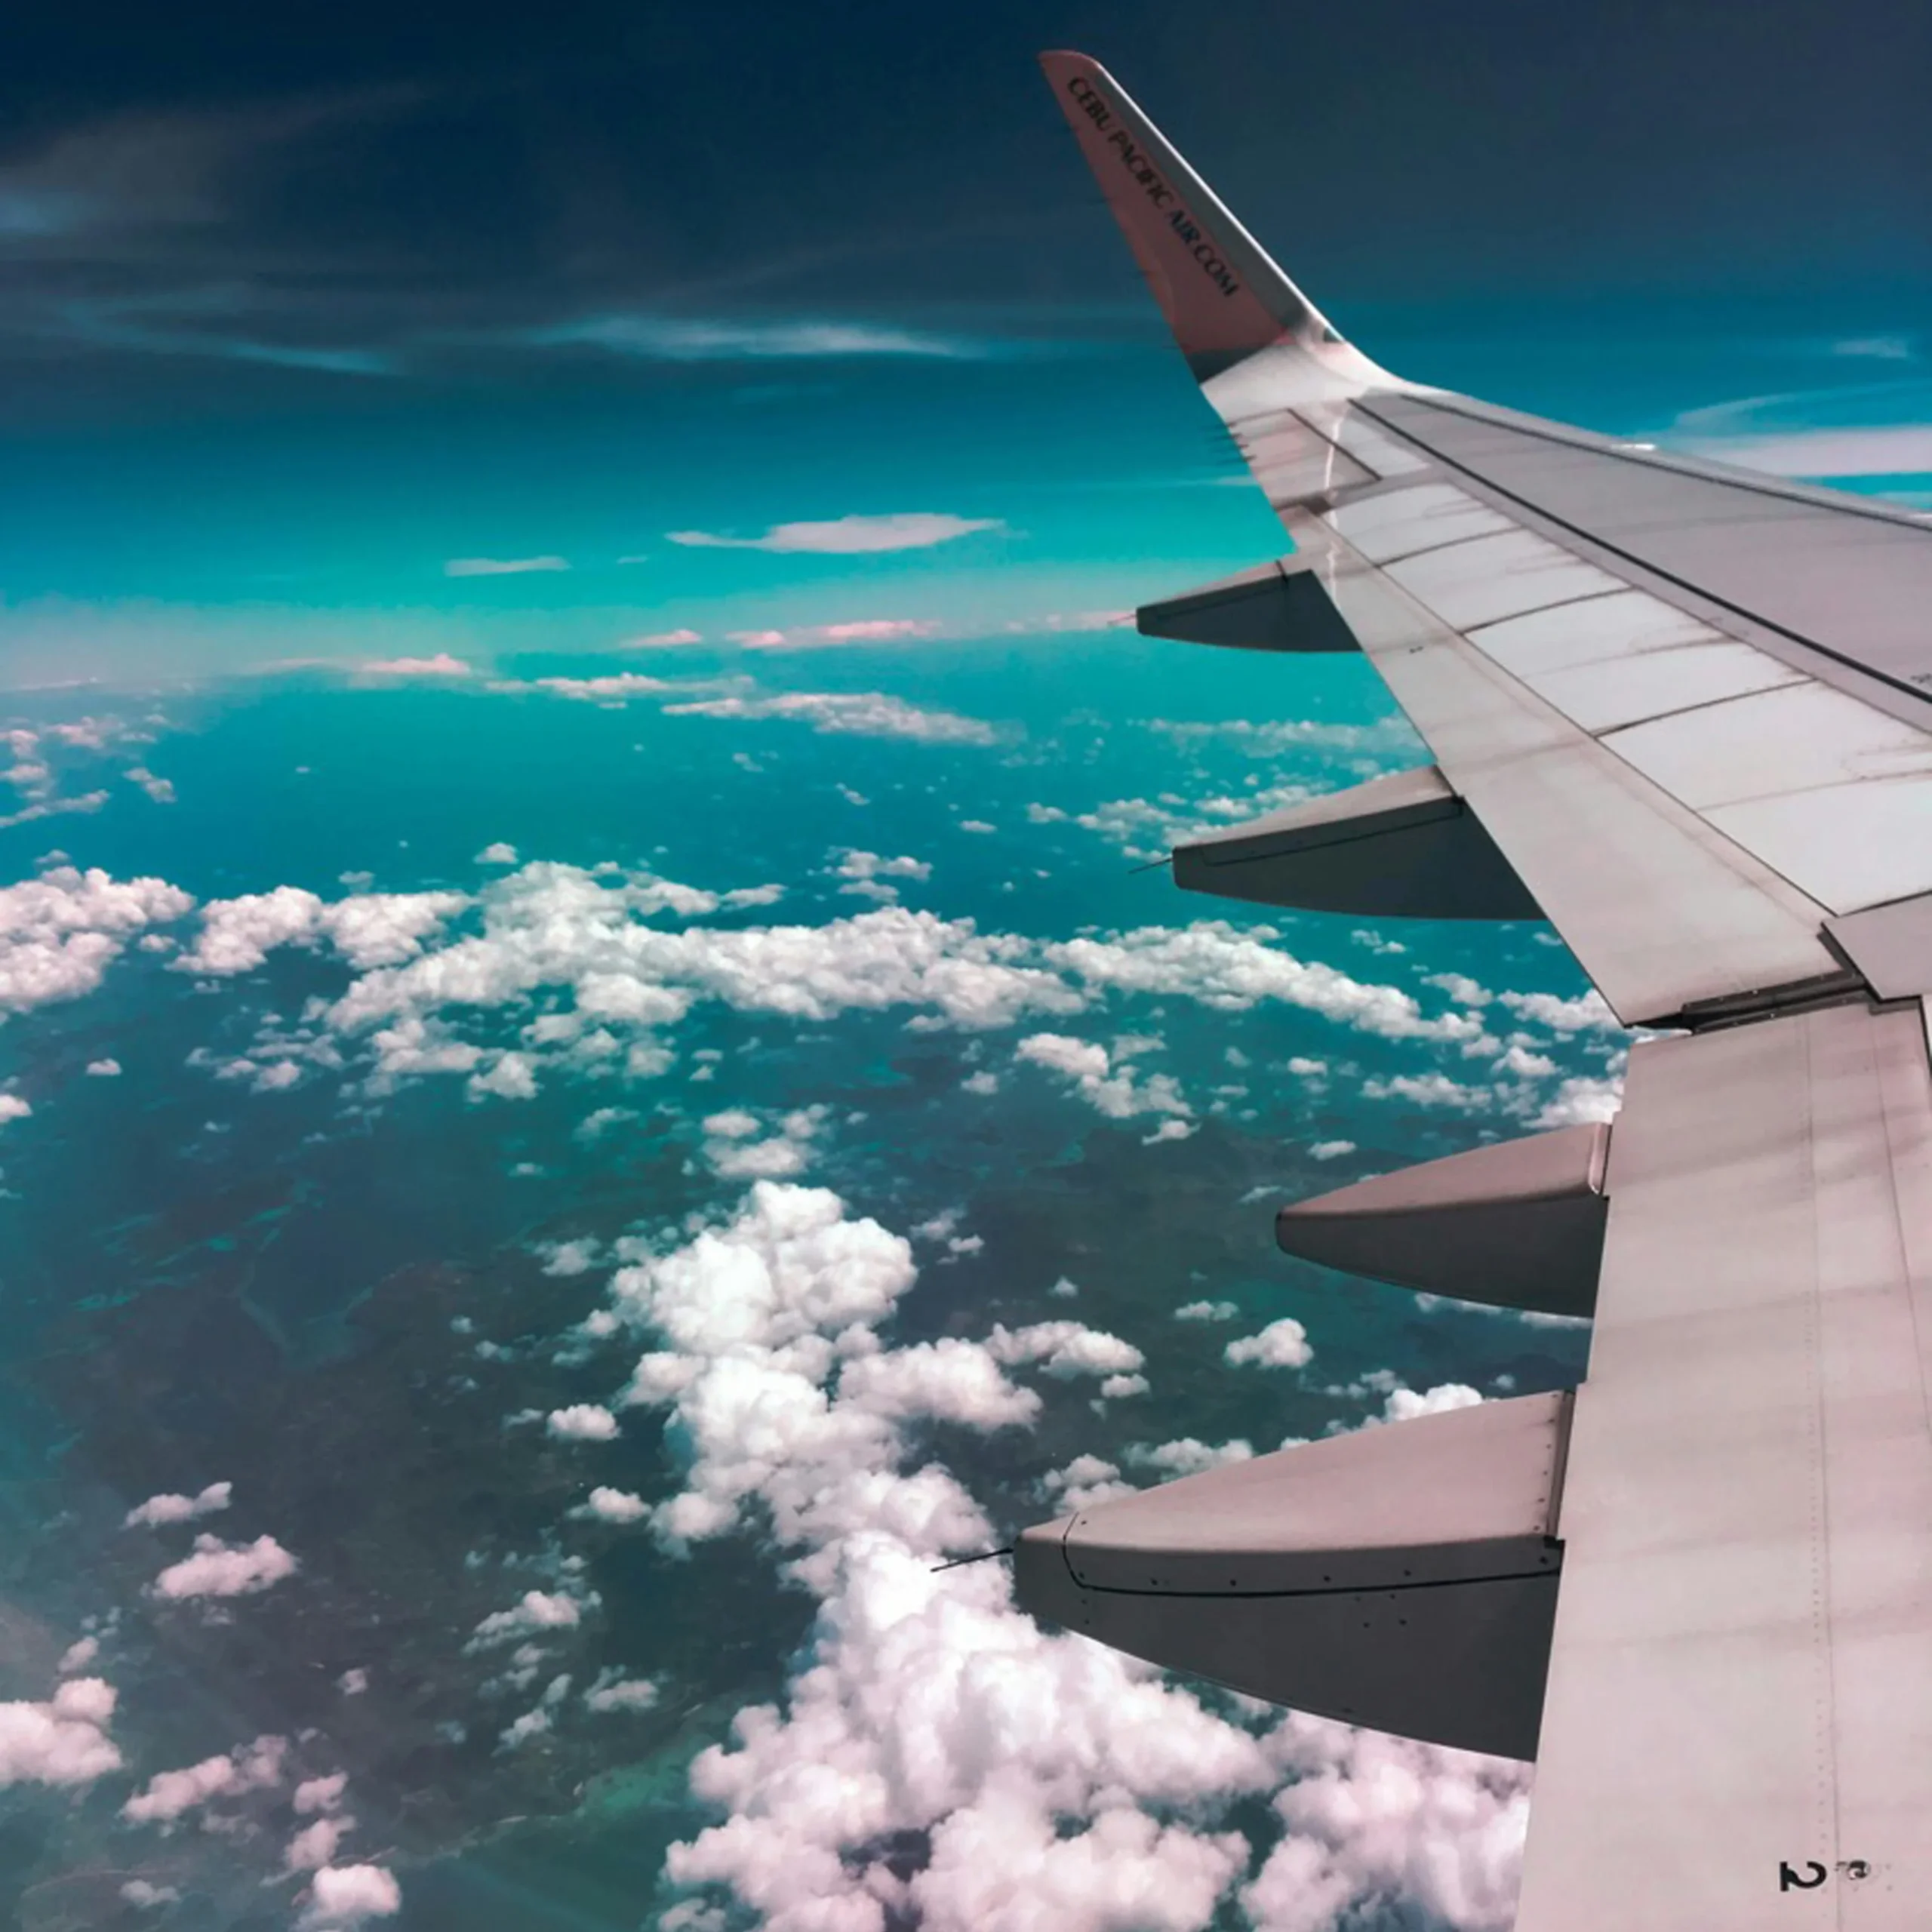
point(1687, 714)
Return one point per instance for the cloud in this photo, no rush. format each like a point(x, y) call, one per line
point(501, 566)
point(1330, 1150)
point(862, 630)
point(1207, 1311)
point(734, 1149)
point(103, 1069)
point(1064, 1349)
point(614, 1506)
point(63, 1741)
point(316, 1845)
point(849, 536)
point(172, 1509)
point(217, 1569)
point(1282, 1344)
point(611, 1691)
point(867, 876)
point(614, 688)
point(1877, 348)
point(535, 1611)
point(368, 930)
point(12, 1107)
point(498, 854)
point(1188, 1455)
point(1582, 1099)
point(442, 665)
point(1114, 1092)
point(168, 1796)
point(582, 1421)
point(675, 339)
point(342, 1896)
point(322, 1794)
point(59, 932)
point(1370, 1817)
point(951, 1380)
point(858, 714)
point(653, 640)
point(78, 1655)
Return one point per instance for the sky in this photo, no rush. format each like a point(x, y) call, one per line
point(307, 321)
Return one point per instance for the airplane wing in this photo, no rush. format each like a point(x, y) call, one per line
point(1685, 713)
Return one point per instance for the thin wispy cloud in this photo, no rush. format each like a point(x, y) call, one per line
point(1877, 348)
point(501, 566)
point(848, 536)
point(857, 714)
point(442, 665)
point(1871, 429)
point(676, 339)
point(658, 640)
point(863, 630)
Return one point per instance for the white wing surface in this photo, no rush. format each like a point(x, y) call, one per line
point(1686, 713)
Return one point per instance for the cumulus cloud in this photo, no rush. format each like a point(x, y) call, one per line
point(1112, 1091)
point(582, 1421)
point(739, 1146)
point(63, 1741)
point(499, 853)
point(1371, 1817)
point(611, 1691)
point(849, 536)
point(869, 875)
point(103, 1069)
point(1188, 1455)
point(950, 1380)
point(344, 1896)
point(316, 1845)
point(1064, 1349)
point(368, 930)
point(1282, 1344)
point(217, 1569)
point(1583, 1098)
point(857, 714)
point(59, 932)
point(1330, 1150)
point(173, 1508)
point(14, 1107)
point(612, 1506)
point(535, 1611)
point(169, 1796)
point(1207, 1311)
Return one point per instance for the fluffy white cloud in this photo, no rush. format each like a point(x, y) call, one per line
point(322, 1794)
point(173, 1508)
point(1233, 969)
point(316, 1845)
point(169, 1795)
point(1188, 1456)
point(611, 1691)
point(1282, 1344)
point(1372, 1817)
point(535, 1611)
point(734, 1148)
point(1065, 1349)
point(614, 1506)
point(951, 1380)
point(1112, 1090)
point(342, 1896)
point(59, 932)
point(869, 875)
point(849, 536)
point(1584, 1098)
point(63, 1741)
point(368, 930)
point(103, 1069)
point(13, 1107)
point(861, 714)
point(217, 1569)
point(1403, 1404)
point(1087, 1480)
point(1330, 1150)
point(582, 1421)
point(78, 1655)
point(1207, 1311)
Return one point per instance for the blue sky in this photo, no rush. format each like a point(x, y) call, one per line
point(293, 325)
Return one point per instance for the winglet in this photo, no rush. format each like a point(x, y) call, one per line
point(1222, 297)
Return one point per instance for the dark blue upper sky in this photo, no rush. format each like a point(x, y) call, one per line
point(467, 193)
